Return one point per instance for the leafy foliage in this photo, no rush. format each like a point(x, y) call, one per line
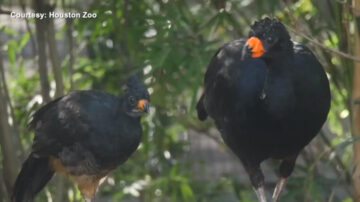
point(170, 43)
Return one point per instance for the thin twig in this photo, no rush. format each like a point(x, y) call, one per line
point(340, 53)
point(345, 174)
point(325, 138)
point(4, 12)
point(314, 42)
point(27, 24)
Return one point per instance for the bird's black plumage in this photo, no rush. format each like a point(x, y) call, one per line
point(85, 133)
point(270, 106)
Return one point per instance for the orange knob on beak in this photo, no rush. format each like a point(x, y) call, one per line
point(143, 106)
point(256, 47)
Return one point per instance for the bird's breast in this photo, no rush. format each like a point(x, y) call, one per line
point(117, 143)
point(279, 100)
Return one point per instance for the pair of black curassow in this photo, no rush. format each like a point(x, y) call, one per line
point(267, 95)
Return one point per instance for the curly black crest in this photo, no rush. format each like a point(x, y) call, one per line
point(134, 83)
point(268, 25)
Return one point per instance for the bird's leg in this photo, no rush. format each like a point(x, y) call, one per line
point(87, 186)
point(278, 189)
point(260, 193)
point(257, 181)
point(89, 199)
point(286, 168)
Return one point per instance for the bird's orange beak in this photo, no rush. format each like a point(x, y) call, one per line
point(256, 47)
point(143, 106)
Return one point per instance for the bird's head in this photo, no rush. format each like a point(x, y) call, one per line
point(268, 38)
point(136, 98)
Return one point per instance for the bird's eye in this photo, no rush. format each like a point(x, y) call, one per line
point(132, 100)
point(269, 40)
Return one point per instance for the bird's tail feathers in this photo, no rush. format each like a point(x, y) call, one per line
point(34, 175)
point(201, 111)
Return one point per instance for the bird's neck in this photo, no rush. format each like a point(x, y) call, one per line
point(283, 57)
point(124, 108)
point(281, 62)
point(278, 67)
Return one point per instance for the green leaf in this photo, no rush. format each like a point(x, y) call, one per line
point(23, 42)
point(187, 192)
point(9, 31)
point(12, 46)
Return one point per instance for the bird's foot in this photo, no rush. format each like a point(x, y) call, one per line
point(278, 189)
point(260, 193)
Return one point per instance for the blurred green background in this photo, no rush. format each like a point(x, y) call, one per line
point(170, 43)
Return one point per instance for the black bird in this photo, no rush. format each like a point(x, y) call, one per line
point(268, 96)
point(83, 135)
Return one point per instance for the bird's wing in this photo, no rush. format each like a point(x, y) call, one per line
point(69, 119)
point(310, 78)
point(37, 116)
point(311, 89)
point(45, 143)
point(223, 58)
point(218, 70)
point(232, 80)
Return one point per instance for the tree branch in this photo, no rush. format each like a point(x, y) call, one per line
point(41, 27)
point(33, 43)
point(54, 57)
point(356, 108)
point(316, 43)
point(10, 160)
point(70, 28)
point(7, 101)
